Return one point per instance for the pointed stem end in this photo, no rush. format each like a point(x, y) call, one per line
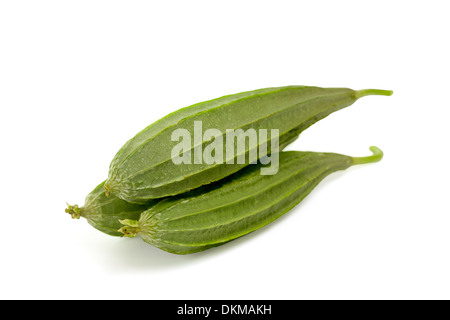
point(372, 92)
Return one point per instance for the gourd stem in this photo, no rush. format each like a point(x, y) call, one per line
point(375, 157)
point(370, 92)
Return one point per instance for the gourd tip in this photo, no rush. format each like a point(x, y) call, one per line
point(107, 190)
point(74, 211)
point(130, 228)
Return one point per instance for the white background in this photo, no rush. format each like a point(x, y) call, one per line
point(80, 78)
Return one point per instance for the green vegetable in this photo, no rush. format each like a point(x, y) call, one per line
point(237, 205)
point(103, 213)
point(144, 169)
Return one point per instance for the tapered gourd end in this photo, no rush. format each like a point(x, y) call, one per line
point(376, 156)
point(74, 211)
point(130, 228)
point(372, 92)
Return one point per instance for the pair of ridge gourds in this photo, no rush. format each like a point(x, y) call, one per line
point(193, 206)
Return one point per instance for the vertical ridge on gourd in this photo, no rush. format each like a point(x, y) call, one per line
point(143, 167)
point(237, 205)
point(104, 213)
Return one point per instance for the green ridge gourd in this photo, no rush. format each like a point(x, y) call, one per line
point(237, 205)
point(143, 168)
point(104, 213)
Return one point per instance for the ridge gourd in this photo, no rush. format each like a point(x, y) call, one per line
point(237, 205)
point(143, 168)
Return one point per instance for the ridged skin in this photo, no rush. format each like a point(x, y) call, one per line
point(103, 213)
point(237, 205)
point(143, 168)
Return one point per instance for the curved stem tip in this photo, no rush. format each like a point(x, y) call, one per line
point(376, 156)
